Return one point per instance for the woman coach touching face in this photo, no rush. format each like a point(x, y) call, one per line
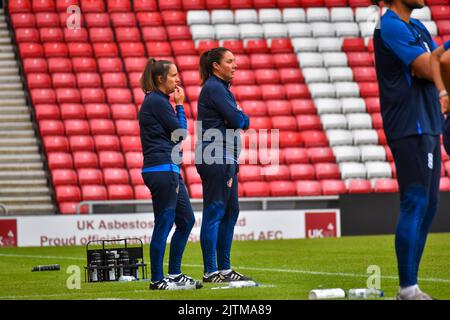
point(159, 125)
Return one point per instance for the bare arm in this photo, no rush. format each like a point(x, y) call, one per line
point(436, 68)
point(421, 67)
point(445, 69)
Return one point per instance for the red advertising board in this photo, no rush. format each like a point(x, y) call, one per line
point(8, 232)
point(320, 224)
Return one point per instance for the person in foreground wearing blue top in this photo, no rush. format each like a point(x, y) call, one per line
point(161, 132)
point(216, 158)
point(412, 121)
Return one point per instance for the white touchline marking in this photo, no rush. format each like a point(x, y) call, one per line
point(320, 273)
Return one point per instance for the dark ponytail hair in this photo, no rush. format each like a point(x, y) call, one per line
point(206, 61)
point(153, 70)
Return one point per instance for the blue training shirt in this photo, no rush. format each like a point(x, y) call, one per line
point(409, 105)
point(217, 109)
point(157, 122)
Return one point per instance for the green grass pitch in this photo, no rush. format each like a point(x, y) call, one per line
point(286, 269)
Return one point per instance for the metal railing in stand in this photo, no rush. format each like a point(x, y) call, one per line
point(4, 207)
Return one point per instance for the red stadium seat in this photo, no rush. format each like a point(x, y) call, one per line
point(297, 91)
point(123, 111)
point(47, 20)
point(288, 3)
point(134, 160)
point(61, 177)
point(261, 61)
point(311, 3)
point(85, 159)
point(191, 78)
point(136, 176)
point(284, 123)
point(236, 46)
point(302, 171)
point(75, 127)
point(23, 20)
point(359, 59)
point(205, 45)
point(19, 6)
point(291, 75)
point(47, 112)
point(254, 46)
point(250, 173)
point(27, 35)
point(273, 92)
point(80, 49)
point(193, 92)
point(217, 4)
point(114, 80)
point(110, 159)
point(64, 80)
point(285, 60)
point(72, 111)
point(372, 104)
point(92, 95)
point(290, 139)
point(327, 171)
point(194, 4)
point(335, 3)
point(309, 188)
point(51, 35)
point(303, 106)
point(38, 80)
point(102, 127)
point(189, 62)
point(59, 160)
point(141, 192)
point(377, 121)
point(62, 5)
point(43, 96)
point(110, 65)
point(280, 45)
point(440, 12)
point(92, 6)
point(119, 6)
point(35, 65)
point(105, 50)
point(59, 65)
point(178, 33)
point(174, 17)
point(243, 61)
point(135, 64)
point(256, 189)
point(90, 176)
point(118, 95)
point(282, 188)
point(254, 107)
point(359, 3)
point(115, 176)
point(443, 27)
point(267, 76)
point(31, 50)
point(56, 144)
point(363, 74)
point(154, 33)
point(158, 48)
point(333, 187)
point(261, 123)
point(104, 34)
point(294, 155)
point(88, 80)
point(195, 191)
point(279, 108)
point(68, 95)
point(368, 89)
point(67, 193)
point(94, 193)
point(132, 49)
point(444, 184)
point(359, 186)
point(251, 92)
point(135, 78)
point(386, 185)
point(381, 137)
point(145, 5)
point(128, 34)
point(131, 143)
point(314, 138)
point(192, 175)
point(320, 154)
point(264, 3)
point(97, 20)
point(81, 143)
point(120, 192)
point(353, 44)
point(309, 122)
point(84, 64)
point(106, 143)
point(127, 127)
point(138, 95)
point(97, 111)
point(183, 47)
point(51, 128)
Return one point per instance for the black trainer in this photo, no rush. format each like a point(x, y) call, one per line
point(216, 277)
point(164, 284)
point(184, 279)
point(235, 276)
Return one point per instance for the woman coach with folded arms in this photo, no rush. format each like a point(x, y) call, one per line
point(217, 109)
point(158, 121)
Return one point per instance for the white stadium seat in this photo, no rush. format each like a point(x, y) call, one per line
point(363, 14)
point(227, 31)
point(359, 121)
point(245, 16)
point(323, 29)
point(251, 31)
point(340, 74)
point(321, 90)
point(270, 16)
point(315, 75)
point(367, 29)
point(299, 30)
point(329, 44)
point(335, 59)
point(203, 31)
point(198, 17)
point(317, 14)
point(346, 29)
point(372, 153)
point(346, 89)
point(423, 14)
point(353, 105)
point(333, 121)
point(432, 27)
point(365, 137)
point(339, 137)
point(310, 60)
point(275, 30)
point(294, 15)
point(304, 44)
point(339, 14)
point(352, 170)
point(222, 17)
point(327, 105)
point(347, 153)
point(378, 169)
